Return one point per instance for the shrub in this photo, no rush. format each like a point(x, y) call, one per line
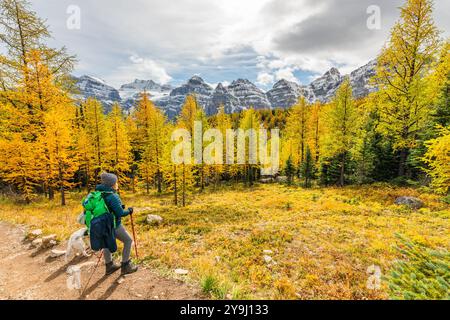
point(423, 273)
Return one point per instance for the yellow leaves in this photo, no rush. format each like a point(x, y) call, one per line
point(285, 290)
point(188, 114)
point(118, 155)
point(403, 67)
point(322, 252)
point(19, 164)
point(341, 121)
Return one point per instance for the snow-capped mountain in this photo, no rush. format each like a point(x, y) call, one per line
point(172, 103)
point(286, 93)
point(98, 89)
point(248, 94)
point(239, 95)
point(221, 96)
point(131, 92)
point(325, 86)
point(360, 79)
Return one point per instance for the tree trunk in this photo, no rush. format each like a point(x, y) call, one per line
point(202, 177)
point(184, 185)
point(63, 196)
point(61, 187)
point(51, 194)
point(341, 178)
point(175, 191)
point(402, 164)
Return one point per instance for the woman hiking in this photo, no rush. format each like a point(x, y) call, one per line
point(109, 187)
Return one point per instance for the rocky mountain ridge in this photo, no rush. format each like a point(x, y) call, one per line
point(239, 95)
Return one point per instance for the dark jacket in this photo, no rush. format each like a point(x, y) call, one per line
point(102, 233)
point(113, 203)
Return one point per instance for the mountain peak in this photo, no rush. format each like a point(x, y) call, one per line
point(220, 87)
point(196, 79)
point(333, 71)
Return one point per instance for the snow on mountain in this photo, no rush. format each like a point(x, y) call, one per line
point(172, 103)
point(221, 96)
point(286, 93)
point(248, 95)
point(239, 95)
point(360, 79)
point(131, 92)
point(96, 88)
point(325, 86)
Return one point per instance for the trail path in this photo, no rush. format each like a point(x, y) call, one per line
point(27, 273)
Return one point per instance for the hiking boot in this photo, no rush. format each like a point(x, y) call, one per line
point(128, 267)
point(111, 267)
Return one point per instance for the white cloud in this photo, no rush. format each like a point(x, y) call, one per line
point(264, 78)
point(286, 74)
point(178, 37)
point(141, 68)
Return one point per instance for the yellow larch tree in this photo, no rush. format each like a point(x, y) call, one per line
point(402, 68)
point(97, 134)
point(297, 130)
point(341, 122)
point(118, 155)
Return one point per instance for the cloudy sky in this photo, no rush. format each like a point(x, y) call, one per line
point(221, 40)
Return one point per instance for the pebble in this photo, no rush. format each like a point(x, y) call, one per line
point(35, 233)
point(181, 271)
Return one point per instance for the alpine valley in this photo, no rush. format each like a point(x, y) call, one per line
point(238, 95)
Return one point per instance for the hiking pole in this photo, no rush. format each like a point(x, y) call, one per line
point(134, 236)
point(96, 266)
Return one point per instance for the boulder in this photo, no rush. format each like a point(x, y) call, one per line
point(282, 179)
point(49, 241)
point(266, 180)
point(36, 243)
point(153, 219)
point(57, 253)
point(411, 202)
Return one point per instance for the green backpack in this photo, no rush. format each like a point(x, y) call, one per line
point(95, 206)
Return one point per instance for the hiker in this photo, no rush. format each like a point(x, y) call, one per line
point(108, 187)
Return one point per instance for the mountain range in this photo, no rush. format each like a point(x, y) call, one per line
point(239, 95)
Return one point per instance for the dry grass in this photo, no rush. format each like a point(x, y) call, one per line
point(323, 240)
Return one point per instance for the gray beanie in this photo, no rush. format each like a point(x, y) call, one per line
point(108, 179)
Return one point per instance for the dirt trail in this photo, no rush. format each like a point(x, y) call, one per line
point(31, 274)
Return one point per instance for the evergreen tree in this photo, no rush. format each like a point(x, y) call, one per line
point(401, 77)
point(289, 170)
point(307, 168)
